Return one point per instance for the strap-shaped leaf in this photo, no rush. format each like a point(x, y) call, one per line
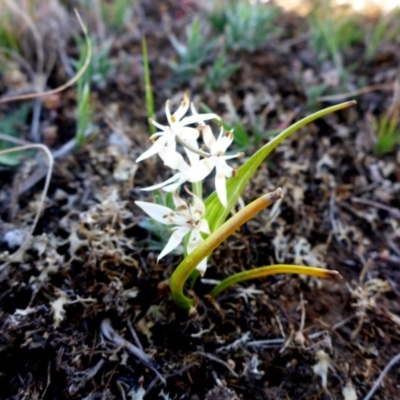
point(216, 213)
point(278, 269)
point(191, 261)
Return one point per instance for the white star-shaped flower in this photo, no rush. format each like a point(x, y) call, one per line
point(178, 127)
point(186, 219)
point(198, 171)
point(175, 162)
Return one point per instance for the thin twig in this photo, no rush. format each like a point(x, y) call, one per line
point(134, 335)
point(272, 343)
point(34, 131)
point(303, 312)
point(378, 382)
point(41, 171)
point(175, 373)
point(392, 211)
point(343, 96)
point(42, 199)
point(109, 333)
point(218, 360)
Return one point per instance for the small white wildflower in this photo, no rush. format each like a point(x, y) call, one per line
point(198, 171)
point(178, 127)
point(186, 220)
point(176, 162)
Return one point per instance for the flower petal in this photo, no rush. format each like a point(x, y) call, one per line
point(182, 110)
point(177, 177)
point(220, 185)
point(187, 133)
point(229, 157)
point(173, 159)
point(224, 142)
point(203, 227)
point(202, 267)
point(157, 146)
point(194, 240)
point(201, 169)
point(198, 119)
point(181, 206)
point(192, 156)
point(197, 209)
point(174, 186)
point(159, 126)
point(221, 165)
point(208, 137)
point(160, 213)
point(174, 241)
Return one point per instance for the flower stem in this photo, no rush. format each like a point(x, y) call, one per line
point(273, 270)
point(189, 264)
point(197, 189)
point(192, 149)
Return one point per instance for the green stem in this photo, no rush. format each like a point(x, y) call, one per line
point(197, 189)
point(147, 85)
point(273, 270)
point(192, 149)
point(189, 264)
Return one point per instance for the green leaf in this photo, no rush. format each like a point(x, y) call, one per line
point(216, 213)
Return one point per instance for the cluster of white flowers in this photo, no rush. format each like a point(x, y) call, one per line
point(201, 160)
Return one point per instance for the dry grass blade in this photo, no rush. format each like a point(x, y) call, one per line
point(67, 84)
point(13, 5)
point(353, 93)
point(42, 199)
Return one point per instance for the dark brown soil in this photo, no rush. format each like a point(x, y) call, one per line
point(85, 312)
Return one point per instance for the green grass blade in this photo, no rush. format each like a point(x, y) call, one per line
point(147, 85)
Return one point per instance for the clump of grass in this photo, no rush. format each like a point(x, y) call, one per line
point(220, 71)
point(100, 64)
point(249, 26)
point(8, 36)
point(333, 31)
point(84, 107)
point(313, 93)
point(192, 53)
point(116, 13)
point(386, 29)
point(387, 128)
